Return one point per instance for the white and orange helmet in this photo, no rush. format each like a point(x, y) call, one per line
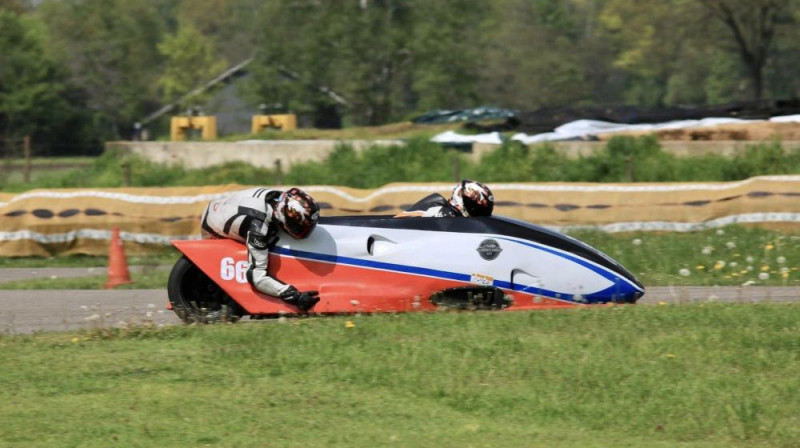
point(472, 198)
point(297, 213)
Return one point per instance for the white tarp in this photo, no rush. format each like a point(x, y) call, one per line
point(786, 119)
point(453, 137)
point(586, 128)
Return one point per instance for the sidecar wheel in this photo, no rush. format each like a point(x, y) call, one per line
point(197, 299)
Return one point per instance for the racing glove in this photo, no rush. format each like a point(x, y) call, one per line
point(302, 300)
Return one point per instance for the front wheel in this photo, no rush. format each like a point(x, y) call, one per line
point(195, 298)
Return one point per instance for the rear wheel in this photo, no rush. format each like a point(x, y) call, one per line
point(195, 298)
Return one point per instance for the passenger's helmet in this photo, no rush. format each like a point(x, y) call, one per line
point(472, 198)
point(297, 213)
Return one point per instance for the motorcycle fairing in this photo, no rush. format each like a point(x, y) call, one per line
point(375, 264)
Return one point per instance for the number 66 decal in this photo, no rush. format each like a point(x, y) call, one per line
point(230, 270)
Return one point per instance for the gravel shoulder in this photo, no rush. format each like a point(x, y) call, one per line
point(32, 311)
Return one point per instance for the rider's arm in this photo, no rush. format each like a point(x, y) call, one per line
point(433, 212)
point(259, 241)
point(410, 214)
point(431, 206)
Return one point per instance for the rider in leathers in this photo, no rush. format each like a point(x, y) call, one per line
point(469, 198)
point(253, 217)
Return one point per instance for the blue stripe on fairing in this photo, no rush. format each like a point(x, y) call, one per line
point(373, 264)
point(616, 290)
point(600, 296)
point(594, 268)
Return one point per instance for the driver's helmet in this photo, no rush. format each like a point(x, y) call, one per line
point(472, 198)
point(297, 213)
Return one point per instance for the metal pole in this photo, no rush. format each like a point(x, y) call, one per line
point(631, 168)
point(26, 148)
point(278, 172)
point(126, 171)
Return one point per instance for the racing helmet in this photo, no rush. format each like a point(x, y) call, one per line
point(472, 198)
point(297, 213)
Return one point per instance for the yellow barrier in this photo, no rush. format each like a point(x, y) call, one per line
point(284, 122)
point(182, 128)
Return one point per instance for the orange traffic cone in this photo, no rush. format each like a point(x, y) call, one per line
point(117, 264)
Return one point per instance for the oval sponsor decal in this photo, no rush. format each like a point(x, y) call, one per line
point(489, 249)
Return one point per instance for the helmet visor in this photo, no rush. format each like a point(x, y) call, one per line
point(299, 226)
point(299, 213)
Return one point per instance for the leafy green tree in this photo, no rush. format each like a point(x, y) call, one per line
point(532, 54)
point(647, 41)
point(299, 58)
point(376, 55)
point(752, 25)
point(232, 25)
point(781, 80)
point(190, 62)
point(17, 6)
point(720, 86)
point(110, 50)
point(376, 60)
point(29, 84)
point(443, 50)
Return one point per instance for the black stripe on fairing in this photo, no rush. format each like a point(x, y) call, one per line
point(499, 225)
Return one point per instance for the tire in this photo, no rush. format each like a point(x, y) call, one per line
point(195, 298)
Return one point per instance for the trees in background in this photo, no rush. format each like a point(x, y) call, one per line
point(376, 61)
point(31, 88)
point(190, 61)
point(109, 63)
point(540, 53)
point(110, 48)
point(752, 26)
point(703, 51)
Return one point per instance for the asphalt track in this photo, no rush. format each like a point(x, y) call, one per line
point(30, 311)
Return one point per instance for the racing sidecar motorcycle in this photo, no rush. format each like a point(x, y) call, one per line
point(381, 264)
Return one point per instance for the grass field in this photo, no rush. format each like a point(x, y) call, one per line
point(709, 375)
point(12, 171)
